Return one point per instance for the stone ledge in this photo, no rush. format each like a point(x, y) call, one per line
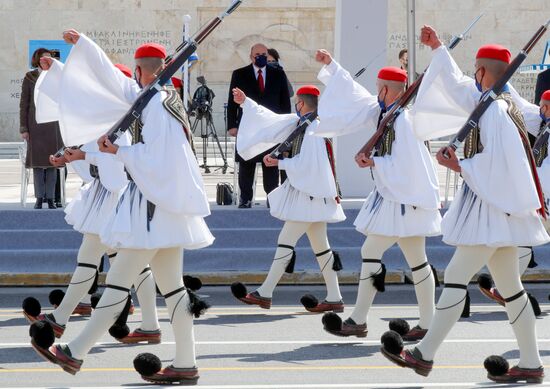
point(226, 278)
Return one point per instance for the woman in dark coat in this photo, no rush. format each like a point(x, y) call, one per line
point(43, 140)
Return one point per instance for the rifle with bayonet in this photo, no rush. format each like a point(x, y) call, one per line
point(389, 119)
point(174, 63)
point(490, 95)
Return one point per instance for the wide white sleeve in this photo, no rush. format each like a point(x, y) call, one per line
point(407, 175)
point(164, 167)
point(46, 93)
point(94, 94)
point(310, 171)
point(261, 129)
point(345, 106)
point(445, 99)
point(530, 112)
point(500, 174)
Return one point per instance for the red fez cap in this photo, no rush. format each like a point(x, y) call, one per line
point(176, 82)
point(546, 95)
point(124, 69)
point(391, 73)
point(498, 52)
point(150, 50)
point(308, 90)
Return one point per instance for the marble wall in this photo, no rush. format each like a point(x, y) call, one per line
point(295, 27)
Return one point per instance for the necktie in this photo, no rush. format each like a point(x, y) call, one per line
point(261, 84)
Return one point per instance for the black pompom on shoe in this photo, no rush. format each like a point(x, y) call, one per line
point(485, 281)
point(400, 326)
point(332, 322)
point(42, 333)
point(309, 301)
point(31, 308)
point(119, 331)
point(147, 364)
point(392, 342)
point(239, 290)
point(496, 365)
point(55, 297)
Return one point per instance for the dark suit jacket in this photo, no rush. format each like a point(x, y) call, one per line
point(275, 96)
point(543, 84)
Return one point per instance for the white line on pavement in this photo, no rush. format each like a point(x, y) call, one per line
point(282, 342)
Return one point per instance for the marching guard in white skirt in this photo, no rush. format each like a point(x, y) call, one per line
point(88, 212)
point(404, 206)
point(159, 214)
point(306, 201)
point(494, 212)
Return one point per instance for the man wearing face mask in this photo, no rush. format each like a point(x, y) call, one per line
point(267, 86)
point(494, 212)
point(402, 208)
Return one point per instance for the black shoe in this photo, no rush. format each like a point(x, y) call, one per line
point(38, 204)
point(58, 204)
point(51, 204)
point(245, 204)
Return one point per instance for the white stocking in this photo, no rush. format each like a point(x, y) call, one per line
point(519, 309)
point(317, 235)
point(373, 249)
point(466, 261)
point(414, 250)
point(289, 236)
point(168, 270)
point(89, 256)
point(122, 275)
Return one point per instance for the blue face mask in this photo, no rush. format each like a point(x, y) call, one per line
point(478, 83)
point(297, 110)
point(543, 117)
point(260, 60)
point(381, 102)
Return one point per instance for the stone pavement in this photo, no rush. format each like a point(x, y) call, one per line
point(243, 347)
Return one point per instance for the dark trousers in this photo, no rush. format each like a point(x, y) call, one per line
point(44, 182)
point(58, 185)
point(246, 176)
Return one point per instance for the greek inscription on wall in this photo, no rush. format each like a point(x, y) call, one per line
point(124, 42)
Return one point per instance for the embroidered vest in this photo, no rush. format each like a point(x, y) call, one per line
point(295, 150)
point(541, 156)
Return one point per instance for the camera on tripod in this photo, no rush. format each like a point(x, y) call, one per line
point(201, 111)
point(202, 100)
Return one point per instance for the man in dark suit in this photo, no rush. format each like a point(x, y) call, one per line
point(268, 87)
point(543, 84)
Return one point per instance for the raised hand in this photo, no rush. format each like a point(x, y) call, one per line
point(71, 36)
point(428, 37)
point(323, 56)
point(238, 96)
